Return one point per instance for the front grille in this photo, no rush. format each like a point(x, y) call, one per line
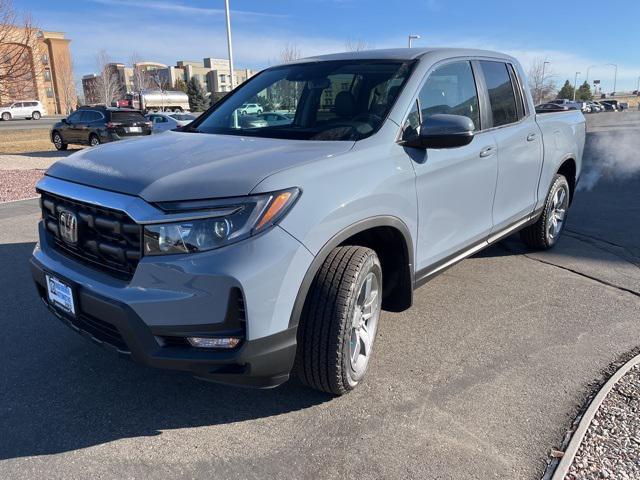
point(107, 239)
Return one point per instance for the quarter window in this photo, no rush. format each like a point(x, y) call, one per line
point(501, 92)
point(450, 89)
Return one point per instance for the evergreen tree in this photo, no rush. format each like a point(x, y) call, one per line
point(181, 85)
point(198, 101)
point(584, 92)
point(566, 92)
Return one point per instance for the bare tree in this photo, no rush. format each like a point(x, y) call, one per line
point(108, 86)
point(139, 75)
point(541, 82)
point(356, 45)
point(67, 93)
point(289, 53)
point(19, 44)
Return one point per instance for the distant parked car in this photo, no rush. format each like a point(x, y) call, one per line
point(168, 121)
point(552, 107)
point(250, 108)
point(31, 109)
point(252, 121)
point(595, 108)
point(623, 106)
point(609, 107)
point(273, 118)
point(96, 125)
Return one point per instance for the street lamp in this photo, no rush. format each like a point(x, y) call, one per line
point(413, 37)
point(229, 47)
point(615, 76)
point(588, 69)
point(575, 85)
point(540, 91)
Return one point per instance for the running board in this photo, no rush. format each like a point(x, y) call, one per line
point(426, 274)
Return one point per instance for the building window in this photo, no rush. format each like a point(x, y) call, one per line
point(47, 75)
point(49, 92)
point(45, 59)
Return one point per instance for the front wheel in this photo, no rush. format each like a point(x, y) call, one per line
point(339, 321)
point(544, 234)
point(58, 142)
point(6, 116)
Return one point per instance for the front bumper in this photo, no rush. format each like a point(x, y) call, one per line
point(263, 363)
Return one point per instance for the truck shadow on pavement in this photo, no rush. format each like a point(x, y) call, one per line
point(60, 392)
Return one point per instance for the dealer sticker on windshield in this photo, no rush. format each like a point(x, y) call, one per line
point(60, 295)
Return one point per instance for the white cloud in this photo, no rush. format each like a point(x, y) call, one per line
point(180, 8)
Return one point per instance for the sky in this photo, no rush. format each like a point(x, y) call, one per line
point(572, 35)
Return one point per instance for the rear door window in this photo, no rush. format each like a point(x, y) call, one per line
point(91, 116)
point(501, 92)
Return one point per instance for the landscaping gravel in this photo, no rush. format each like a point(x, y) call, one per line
point(611, 446)
point(18, 184)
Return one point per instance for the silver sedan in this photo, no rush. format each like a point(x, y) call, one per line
point(168, 121)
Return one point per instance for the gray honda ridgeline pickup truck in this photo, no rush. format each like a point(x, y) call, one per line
point(244, 248)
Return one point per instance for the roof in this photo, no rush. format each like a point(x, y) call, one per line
point(403, 54)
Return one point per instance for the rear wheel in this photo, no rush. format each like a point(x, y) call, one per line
point(35, 115)
point(6, 116)
point(58, 143)
point(544, 234)
point(340, 319)
point(94, 140)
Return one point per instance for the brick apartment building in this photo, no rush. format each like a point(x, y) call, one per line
point(48, 73)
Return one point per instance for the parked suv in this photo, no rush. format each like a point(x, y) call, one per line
point(240, 253)
point(31, 109)
point(250, 108)
point(96, 125)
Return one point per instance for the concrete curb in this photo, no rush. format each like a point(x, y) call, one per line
point(576, 440)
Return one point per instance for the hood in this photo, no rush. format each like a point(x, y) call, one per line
point(189, 166)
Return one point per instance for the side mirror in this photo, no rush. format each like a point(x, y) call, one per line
point(443, 131)
point(65, 121)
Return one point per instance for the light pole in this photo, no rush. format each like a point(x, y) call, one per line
point(588, 69)
point(544, 67)
point(575, 85)
point(229, 47)
point(413, 37)
point(615, 76)
point(638, 88)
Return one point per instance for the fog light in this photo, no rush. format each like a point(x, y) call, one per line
point(213, 342)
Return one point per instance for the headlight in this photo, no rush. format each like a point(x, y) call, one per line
point(216, 223)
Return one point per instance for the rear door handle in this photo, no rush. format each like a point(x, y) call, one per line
point(531, 137)
point(486, 152)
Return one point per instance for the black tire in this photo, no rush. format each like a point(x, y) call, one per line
point(94, 141)
point(538, 236)
point(35, 116)
point(6, 116)
point(56, 138)
point(326, 325)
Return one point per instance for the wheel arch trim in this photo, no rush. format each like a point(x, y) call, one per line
point(338, 239)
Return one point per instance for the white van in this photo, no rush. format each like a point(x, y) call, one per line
point(31, 109)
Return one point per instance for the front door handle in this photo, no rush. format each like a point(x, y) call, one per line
point(487, 152)
point(531, 137)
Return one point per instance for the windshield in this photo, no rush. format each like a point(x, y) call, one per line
point(337, 100)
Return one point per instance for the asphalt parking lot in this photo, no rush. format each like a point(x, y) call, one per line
point(480, 379)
